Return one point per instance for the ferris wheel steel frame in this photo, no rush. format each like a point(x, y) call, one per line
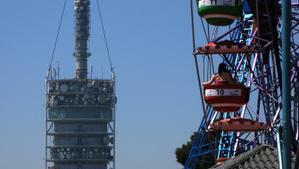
point(261, 71)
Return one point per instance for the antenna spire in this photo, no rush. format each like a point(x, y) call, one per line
point(82, 10)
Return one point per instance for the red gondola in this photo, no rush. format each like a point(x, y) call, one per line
point(239, 125)
point(224, 97)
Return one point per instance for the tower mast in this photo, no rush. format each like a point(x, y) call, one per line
point(82, 10)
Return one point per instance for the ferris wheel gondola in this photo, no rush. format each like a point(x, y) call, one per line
point(220, 12)
point(225, 97)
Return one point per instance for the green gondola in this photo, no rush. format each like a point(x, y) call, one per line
point(220, 12)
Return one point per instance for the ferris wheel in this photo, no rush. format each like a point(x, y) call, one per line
point(239, 74)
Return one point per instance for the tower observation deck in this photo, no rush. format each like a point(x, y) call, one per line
point(80, 112)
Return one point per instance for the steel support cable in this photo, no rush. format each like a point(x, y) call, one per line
point(190, 162)
point(209, 36)
point(204, 29)
point(195, 59)
point(56, 39)
point(104, 35)
point(204, 68)
point(48, 73)
point(111, 67)
point(214, 34)
point(197, 67)
point(206, 116)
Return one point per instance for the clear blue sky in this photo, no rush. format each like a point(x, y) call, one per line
point(150, 42)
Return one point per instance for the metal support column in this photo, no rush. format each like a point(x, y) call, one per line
point(286, 112)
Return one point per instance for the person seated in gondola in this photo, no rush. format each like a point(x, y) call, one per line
point(223, 93)
point(222, 77)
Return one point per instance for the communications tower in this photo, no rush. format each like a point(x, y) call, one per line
point(80, 112)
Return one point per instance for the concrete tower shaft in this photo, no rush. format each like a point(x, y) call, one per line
point(82, 10)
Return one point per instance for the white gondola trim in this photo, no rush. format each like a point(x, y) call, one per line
point(204, 3)
point(220, 16)
point(225, 105)
point(223, 92)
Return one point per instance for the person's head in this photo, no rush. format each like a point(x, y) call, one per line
point(222, 68)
